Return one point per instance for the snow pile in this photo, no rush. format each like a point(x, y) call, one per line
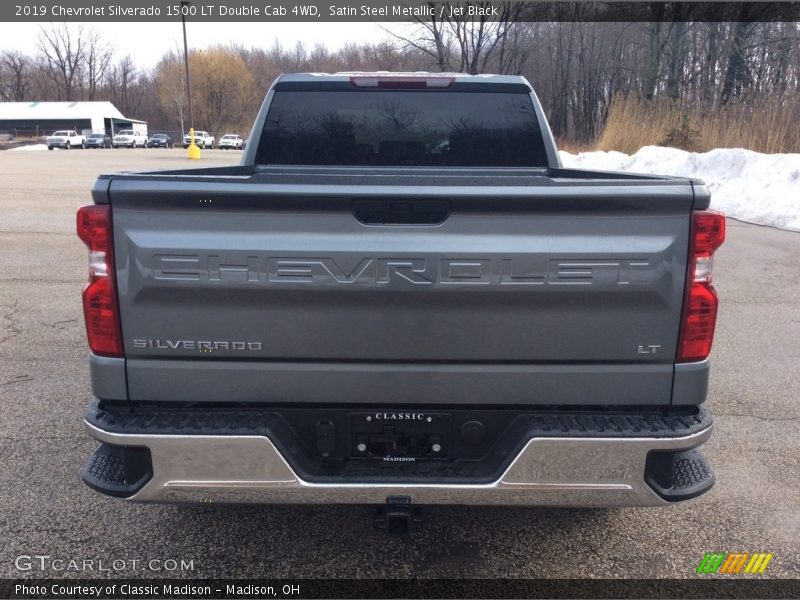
point(750, 186)
point(29, 148)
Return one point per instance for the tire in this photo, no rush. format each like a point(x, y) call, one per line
point(49, 147)
point(115, 146)
point(83, 145)
point(67, 146)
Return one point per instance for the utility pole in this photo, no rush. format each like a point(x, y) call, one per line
point(194, 151)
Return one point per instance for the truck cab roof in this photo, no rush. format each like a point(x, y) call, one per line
point(344, 76)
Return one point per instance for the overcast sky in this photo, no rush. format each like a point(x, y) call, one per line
point(147, 42)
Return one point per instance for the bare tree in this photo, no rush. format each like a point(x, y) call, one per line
point(737, 73)
point(429, 38)
point(463, 41)
point(515, 48)
point(97, 58)
point(170, 81)
point(560, 57)
point(62, 48)
point(656, 42)
point(121, 83)
point(16, 76)
point(677, 56)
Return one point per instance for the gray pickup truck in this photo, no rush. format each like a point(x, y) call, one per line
point(400, 297)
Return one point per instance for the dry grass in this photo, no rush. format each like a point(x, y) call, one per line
point(769, 125)
point(573, 147)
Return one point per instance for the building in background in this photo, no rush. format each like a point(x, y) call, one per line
point(33, 119)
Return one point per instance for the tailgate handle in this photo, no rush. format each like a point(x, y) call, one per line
point(401, 212)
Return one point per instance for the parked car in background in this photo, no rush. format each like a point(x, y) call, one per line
point(231, 140)
point(201, 138)
point(160, 140)
point(98, 140)
point(65, 139)
point(130, 138)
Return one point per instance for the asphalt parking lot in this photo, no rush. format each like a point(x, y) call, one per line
point(44, 385)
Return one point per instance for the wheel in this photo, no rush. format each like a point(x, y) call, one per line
point(212, 145)
point(116, 146)
point(67, 146)
point(49, 147)
point(83, 145)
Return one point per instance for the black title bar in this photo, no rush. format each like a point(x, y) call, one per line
point(268, 11)
point(701, 587)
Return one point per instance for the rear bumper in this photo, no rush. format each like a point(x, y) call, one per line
point(586, 471)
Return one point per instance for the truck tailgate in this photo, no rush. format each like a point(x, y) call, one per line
point(400, 294)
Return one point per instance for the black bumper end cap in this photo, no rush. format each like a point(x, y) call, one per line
point(119, 471)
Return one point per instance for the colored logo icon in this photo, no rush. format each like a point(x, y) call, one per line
point(734, 562)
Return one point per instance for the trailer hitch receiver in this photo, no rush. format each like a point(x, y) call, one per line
point(397, 516)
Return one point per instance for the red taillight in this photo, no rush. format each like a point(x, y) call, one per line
point(700, 305)
point(699, 319)
point(100, 307)
point(709, 230)
point(94, 226)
